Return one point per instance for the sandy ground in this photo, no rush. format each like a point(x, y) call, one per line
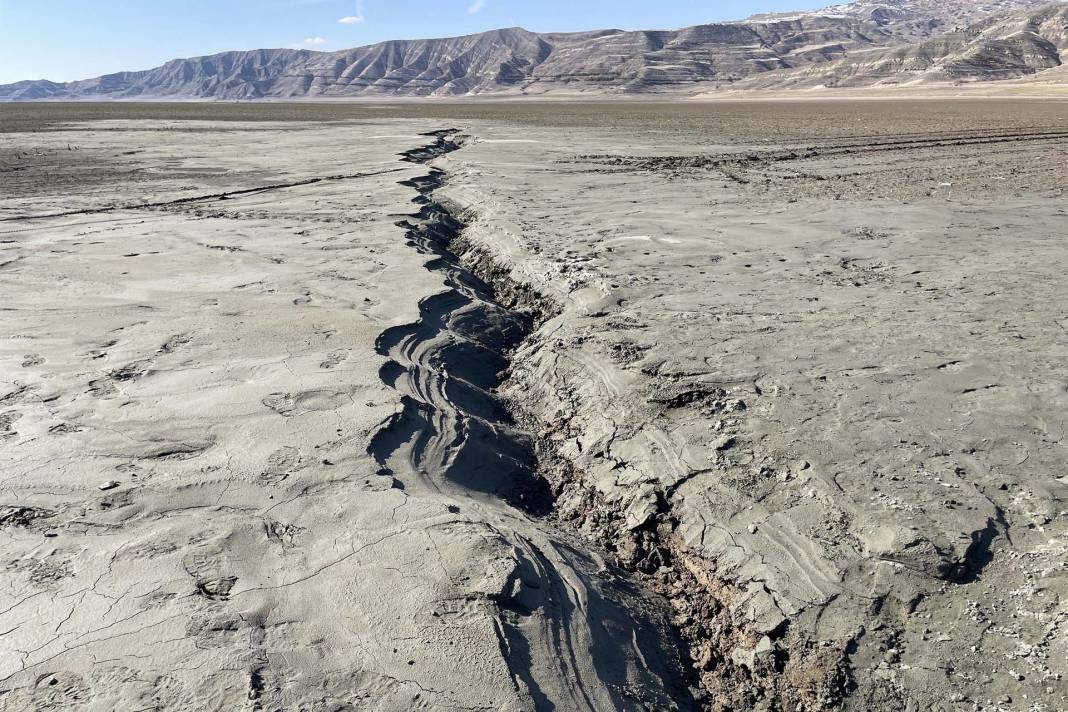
point(813, 390)
point(193, 517)
point(797, 372)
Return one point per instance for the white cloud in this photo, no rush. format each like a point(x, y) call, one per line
point(309, 42)
point(356, 19)
point(476, 6)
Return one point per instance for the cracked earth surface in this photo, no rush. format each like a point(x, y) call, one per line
point(807, 396)
point(193, 515)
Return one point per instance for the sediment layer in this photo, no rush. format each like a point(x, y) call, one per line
point(813, 555)
point(640, 532)
point(367, 433)
point(459, 437)
point(251, 451)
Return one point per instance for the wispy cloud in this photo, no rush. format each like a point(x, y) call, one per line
point(476, 7)
point(309, 42)
point(356, 19)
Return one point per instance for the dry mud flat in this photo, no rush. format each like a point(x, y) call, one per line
point(806, 385)
point(233, 476)
point(812, 389)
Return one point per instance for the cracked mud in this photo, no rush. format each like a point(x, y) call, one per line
point(272, 453)
point(529, 415)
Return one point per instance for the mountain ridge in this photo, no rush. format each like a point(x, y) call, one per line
point(857, 44)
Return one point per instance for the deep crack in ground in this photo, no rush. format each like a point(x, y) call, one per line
point(455, 438)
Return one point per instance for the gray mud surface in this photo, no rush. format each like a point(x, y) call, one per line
point(534, 406)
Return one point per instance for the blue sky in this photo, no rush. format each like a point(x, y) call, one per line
point(77, 39)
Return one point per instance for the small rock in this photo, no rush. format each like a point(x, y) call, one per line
point(723, 443)
point(642, 508)
point(734, 405)
point(109, 485)
point(747, 658)
point(764, 647)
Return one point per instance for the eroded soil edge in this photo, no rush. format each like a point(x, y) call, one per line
point(778, 673)
point(458, 439)
point(777, 669)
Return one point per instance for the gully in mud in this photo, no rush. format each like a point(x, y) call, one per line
point(573, 634)
point(448, 363)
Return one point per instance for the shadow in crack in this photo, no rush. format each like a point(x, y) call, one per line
point(572, 633)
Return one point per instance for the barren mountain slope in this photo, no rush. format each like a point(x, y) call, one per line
point(653, 60)
point(768, 50)
point(1021, 44)
point(914, 19)
point(497, 61)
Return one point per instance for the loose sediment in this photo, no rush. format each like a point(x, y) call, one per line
point(779, 673)
point(826, 429)
point(449, 365)
point(459, 432)
point(796, 417)
point(456, 437)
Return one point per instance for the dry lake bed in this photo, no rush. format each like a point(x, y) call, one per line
point(534, 406)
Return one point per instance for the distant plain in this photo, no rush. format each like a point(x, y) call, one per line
point(763, 120)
